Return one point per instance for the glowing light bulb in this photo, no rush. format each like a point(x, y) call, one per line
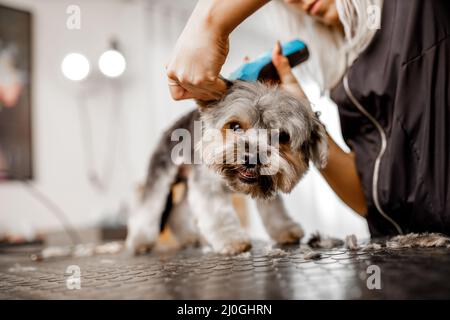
point(112, 63)
point(75, 66)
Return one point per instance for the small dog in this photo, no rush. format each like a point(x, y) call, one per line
point(257, 140)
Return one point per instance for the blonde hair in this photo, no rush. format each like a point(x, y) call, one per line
point(331, 52)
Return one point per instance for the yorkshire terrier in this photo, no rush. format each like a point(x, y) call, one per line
point(257, 140)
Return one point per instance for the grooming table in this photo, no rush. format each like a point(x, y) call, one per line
point(193, 274)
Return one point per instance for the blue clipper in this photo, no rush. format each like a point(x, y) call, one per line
point(262, 67)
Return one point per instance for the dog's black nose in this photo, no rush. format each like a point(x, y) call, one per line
point(251, 161)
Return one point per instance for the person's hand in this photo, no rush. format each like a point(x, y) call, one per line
point(288, 80)
point(193, 70)
point(200, 52)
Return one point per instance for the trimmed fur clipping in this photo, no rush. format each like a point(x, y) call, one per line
point(372, 247)
point(274, 252)
point(308, 253)
point(311, 255)
point(419, 240)
point(351, 242)
point(323, 242)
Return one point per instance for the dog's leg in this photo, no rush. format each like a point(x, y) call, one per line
point(278, 223)
point(182, 224)
point(216, 219)
point(144, 222)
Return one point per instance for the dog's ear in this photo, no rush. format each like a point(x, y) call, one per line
point(202, 104)
point(318, 144)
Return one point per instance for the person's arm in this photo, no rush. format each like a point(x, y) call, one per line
point(201, 50)
point(343, 178)
point(226, 15)
point(340, 172)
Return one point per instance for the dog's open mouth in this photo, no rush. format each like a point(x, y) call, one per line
point(248, 175)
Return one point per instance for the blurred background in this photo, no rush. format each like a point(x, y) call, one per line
point(76, 133)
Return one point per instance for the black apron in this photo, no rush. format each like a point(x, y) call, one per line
point(401, 137)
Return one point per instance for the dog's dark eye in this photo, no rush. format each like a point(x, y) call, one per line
point(284, 137)
point(235, 126)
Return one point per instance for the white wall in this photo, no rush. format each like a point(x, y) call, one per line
point(146, 31)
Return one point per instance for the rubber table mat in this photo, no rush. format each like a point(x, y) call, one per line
point(193, 274)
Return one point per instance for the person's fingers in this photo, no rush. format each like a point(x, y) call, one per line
point(212, 91)
point(219, 87)
point(281, 63)
point(177, 90)
point(185, 85)
point(179, 93)
point(207, 91)
point(288, 80)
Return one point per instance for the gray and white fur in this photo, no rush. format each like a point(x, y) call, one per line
point(245, 106)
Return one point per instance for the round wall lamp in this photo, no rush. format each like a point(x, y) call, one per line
point(75, 66)
point(112, 63)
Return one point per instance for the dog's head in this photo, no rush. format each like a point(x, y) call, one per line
point(260, 138)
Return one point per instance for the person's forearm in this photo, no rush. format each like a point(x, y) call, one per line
point(343, 178)
point(225, 15)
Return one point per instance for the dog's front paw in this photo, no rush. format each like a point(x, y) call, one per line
point(288, 233)
point(141, 237)
point(235, 246)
